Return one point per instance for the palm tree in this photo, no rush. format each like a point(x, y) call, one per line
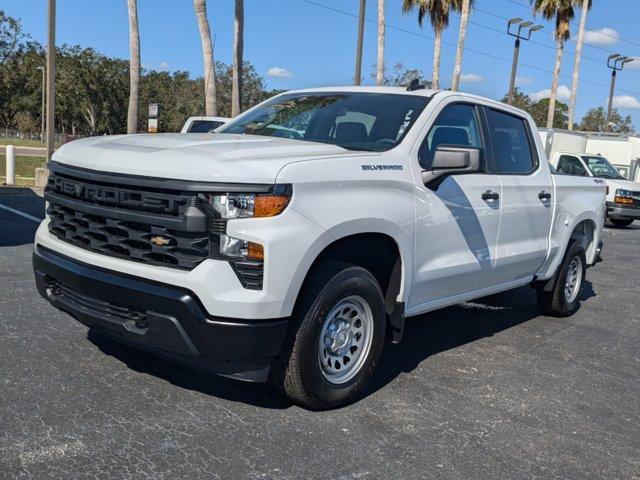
point(380, 62)
point(134, 67)
point(211, 107)
point(562, 11)
point(464, 7)
point(438, 11)
point(586, 5)
point(238, 45)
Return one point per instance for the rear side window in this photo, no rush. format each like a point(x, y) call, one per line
point(571, 166)
point(512, 149)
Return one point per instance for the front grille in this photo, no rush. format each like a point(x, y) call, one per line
point(155, 226)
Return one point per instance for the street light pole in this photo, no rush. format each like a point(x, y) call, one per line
point(358, 75)
point(42, 107)
point(51, 76)
point(529, 27)
point(616, 63)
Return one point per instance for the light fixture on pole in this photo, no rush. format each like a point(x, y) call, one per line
point(615, 62)
point(523, 32)
point(358, 75)
point(42, 107)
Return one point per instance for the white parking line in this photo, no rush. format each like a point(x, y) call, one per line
point(22, 214)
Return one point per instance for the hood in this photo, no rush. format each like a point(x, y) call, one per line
point(207, 157)
point(623, 184)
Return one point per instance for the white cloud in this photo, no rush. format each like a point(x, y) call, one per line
point(524, 81)
point(626, 101)
point(471, 78)
point(279, 72)
point(163, 66)
point(602, 36)
point(562, 95)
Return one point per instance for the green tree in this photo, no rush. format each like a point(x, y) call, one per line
point(595, 120)
point(400, 76)
point(438, 12)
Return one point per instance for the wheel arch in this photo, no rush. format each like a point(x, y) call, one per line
point(376, 245)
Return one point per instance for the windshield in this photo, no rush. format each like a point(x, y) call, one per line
point(600, 167)
point(352, 120)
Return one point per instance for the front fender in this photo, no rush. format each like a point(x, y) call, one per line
point(346, 229)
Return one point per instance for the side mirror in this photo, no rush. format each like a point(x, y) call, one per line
point(451, 160)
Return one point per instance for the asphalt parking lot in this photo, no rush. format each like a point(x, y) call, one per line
point(490, 389)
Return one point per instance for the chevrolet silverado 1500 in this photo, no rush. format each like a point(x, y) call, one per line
point(290, 244)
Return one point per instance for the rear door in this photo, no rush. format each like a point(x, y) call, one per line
point(526, 196)
point(457, 222)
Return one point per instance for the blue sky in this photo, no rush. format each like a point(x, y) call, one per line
point(301, 43)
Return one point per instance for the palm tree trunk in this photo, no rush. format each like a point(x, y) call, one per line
point(437, 48)
point(381, 33)
point(238, 46)
point(554, 84)
point(134, 67)
point(457, 69)
point(207, 56)
point(576, 62)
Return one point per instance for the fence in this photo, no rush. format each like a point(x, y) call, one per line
point(59, 138)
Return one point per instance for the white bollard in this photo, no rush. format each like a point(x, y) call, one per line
point(11, 165)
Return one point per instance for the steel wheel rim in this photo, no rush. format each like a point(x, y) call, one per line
point(573, 280)
point(345, 339)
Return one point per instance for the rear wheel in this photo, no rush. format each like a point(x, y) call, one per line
point(337, 335)
point(621, 223)
point(562, 300)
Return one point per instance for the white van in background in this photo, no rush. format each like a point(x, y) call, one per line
point(203, 124)
point(623, 196)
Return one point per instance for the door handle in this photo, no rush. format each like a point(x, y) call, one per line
point(489, 195)
point(544, 195)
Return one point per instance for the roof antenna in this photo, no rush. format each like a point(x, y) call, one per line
point(415, 85)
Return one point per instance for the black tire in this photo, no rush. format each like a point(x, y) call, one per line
point(555, 303)
point(297, 372)
point(620, 223)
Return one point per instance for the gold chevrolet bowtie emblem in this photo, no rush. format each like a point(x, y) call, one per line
point(160, 241)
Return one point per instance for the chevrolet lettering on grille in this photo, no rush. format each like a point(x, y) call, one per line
point(114, 196)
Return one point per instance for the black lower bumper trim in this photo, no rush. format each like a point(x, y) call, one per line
point(162, 319)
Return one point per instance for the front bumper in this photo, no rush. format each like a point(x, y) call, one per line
point(623, 213)
point(162, 319)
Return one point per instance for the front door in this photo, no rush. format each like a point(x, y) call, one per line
point(456, 224)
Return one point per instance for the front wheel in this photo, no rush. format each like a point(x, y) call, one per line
point(621, 223)
point(563, 300)
point(337, 335)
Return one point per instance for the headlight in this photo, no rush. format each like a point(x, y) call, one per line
point(624, 193)
point(249, 205)
point(225, 207)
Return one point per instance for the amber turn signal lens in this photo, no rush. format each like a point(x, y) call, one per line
point(269, 205)
point(255, 251)
point(623, 200)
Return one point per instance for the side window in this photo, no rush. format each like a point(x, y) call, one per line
point(512, 150)
point(456, 125)
point(571, 166)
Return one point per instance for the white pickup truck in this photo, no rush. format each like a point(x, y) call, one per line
point(623, 196)
point(259, 255)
